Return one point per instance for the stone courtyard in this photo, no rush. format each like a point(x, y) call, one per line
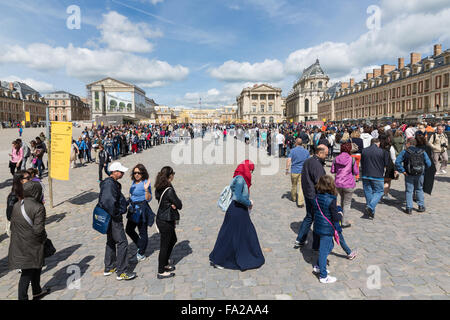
point(411, 253)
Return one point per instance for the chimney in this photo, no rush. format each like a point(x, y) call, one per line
point(415, 57)
point(376, 73)
point(401, 63)
point(344, 85)
point(352, 82)
point(11, 86)
point(369, 76)
point(386, 68)
point(437, 49)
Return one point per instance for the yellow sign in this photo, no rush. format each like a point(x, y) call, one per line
point(60, 150)
point(27, 116)
point(324, 120)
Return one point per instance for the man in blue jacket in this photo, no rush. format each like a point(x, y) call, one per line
point(313, 169)
point(412, 162)
point(373, 162)
point(113, 201)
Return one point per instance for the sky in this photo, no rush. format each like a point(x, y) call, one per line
point(180, 52)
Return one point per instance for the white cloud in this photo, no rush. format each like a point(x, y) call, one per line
point(233, 71)
point(40, 86)
point(88, 65)
point(154, 84)
point(120, 34)
point(397, 38)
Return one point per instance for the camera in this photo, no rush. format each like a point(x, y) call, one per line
point(443, 145)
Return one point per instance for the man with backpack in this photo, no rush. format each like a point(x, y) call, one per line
point(412, 162)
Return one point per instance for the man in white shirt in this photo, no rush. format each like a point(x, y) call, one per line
point(410, 131)
point(280, 141)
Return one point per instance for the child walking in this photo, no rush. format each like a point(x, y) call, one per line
point(326, 217)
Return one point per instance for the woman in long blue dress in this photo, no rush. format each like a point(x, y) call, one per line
point(237, 246)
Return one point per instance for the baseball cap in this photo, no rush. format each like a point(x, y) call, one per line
point(117, 166)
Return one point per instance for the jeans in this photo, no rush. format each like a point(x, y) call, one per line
point(288, 151)
point(116, 248)
point(344, 245)
point(373, 191)
point(24, 163)
point(39, 165)
point(168, 240)
point(140, 240)
point(13, 167)
point(414, 183)
point(280, 151)
point(102, 167)
point(346, 195)
point(27, 276)
point(326, 245)
point(296, 190)
point(307, 221)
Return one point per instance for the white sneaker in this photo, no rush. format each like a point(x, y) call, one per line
point(444, 172)
point(439, 172)
point(328, 279)
point(316, 269)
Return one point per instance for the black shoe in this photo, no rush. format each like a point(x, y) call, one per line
point(298, 245)
point(370, 213)
point(408, 211)
point(348, 225)
point(162, 276)
point(170, 268)
point(44, 292)
point(421, 209)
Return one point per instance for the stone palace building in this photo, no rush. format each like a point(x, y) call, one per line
point(261, 104)
point(400, 92)
point(302, 102)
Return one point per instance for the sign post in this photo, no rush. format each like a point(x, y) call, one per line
point(60, 150)
point(50, 182)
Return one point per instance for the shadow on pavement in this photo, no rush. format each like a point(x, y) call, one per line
point(180, 251)
point(295, 226)
point(61, 277)
point(5, 184)
point(56, 218)
point(287, 195)
point(59, 256)
point(82, 198)
point(3, 237)
point(442, 179)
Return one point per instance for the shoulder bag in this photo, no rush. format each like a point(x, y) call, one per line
point(49, 249)
point(336, 234)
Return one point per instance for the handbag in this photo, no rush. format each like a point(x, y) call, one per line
point(168, 210)
point(101, 220)
point(225, 199)
point(336, 234)
point(355, 147)
point(49, 249)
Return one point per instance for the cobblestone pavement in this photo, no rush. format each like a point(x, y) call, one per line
point(411, 252)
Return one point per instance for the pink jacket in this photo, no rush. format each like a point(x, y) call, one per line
point(16, 158)
point(344, 169)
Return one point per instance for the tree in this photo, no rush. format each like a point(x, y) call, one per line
point(121, 106)
point(112, 105)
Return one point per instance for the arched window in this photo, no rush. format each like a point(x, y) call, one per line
point(271, 120)
point(263, 120)
point(270, 107)
point(320, 84)
point(254, 108)
point(255, 119)
point(306, 105)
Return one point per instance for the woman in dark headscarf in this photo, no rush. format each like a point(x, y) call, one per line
point(237, 246)
point(26, 249)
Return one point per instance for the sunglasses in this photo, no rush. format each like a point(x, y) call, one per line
point(137, 172)
point(26, 178)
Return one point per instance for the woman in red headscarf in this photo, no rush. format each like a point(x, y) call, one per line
point(237, 246)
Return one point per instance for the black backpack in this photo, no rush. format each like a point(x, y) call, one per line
point(416, 163)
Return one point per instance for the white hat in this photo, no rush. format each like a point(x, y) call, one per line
point(117, 166)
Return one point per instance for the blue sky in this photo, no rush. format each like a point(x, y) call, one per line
point(179, 51)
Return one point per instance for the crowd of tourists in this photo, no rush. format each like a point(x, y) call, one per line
point(374, 154)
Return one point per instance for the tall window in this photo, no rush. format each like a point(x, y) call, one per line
point(263, 120)
point(262, 107)
point(270, 107)
point(320, 84)
point(271, 120)
point(306, 105)
point(255, 119)
point(262, 97)
point(254, 97)
point(97, 101)
point(254, 108)
point(446, 79)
